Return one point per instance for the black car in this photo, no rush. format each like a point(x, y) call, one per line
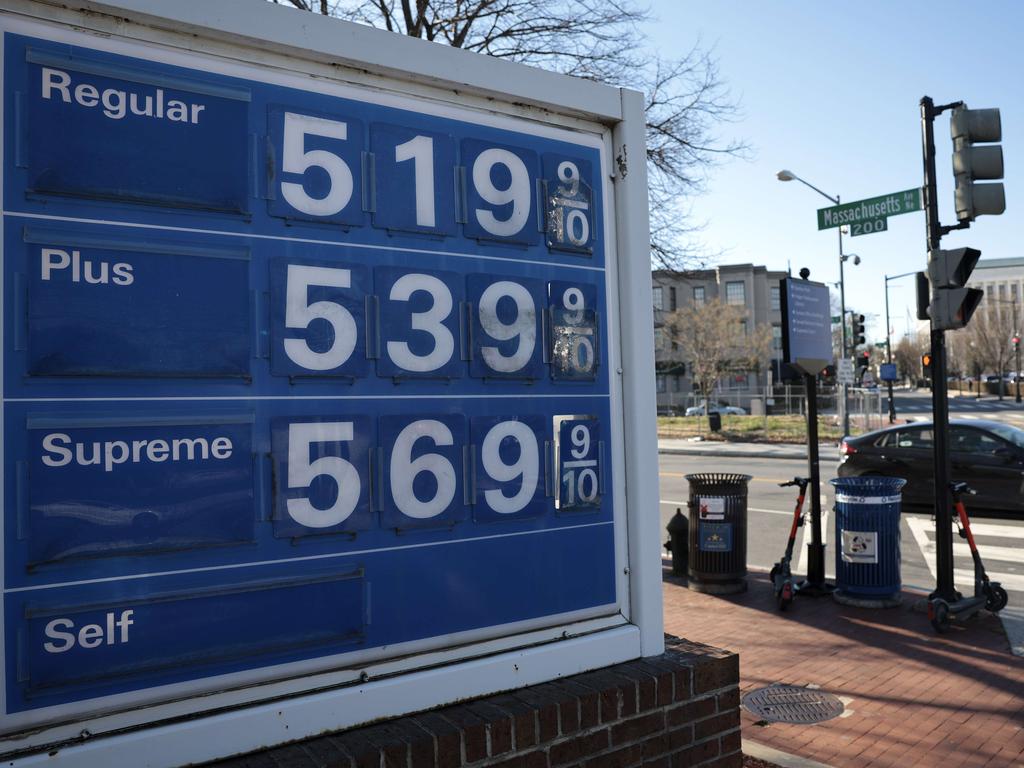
point(986, 454)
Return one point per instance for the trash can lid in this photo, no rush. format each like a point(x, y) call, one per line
point(719, 478)
point(866, 484)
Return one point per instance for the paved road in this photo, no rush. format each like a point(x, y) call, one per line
point(1001, 542)
point(918, 405)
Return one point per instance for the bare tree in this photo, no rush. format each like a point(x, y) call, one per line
point(713, 339)
point(907, 355)
point(687, 101)
point(986, 342)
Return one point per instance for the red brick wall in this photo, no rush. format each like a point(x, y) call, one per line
point(674, 710)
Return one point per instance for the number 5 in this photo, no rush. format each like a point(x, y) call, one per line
point(297, 160)
point(302, 472)
point(298, 313)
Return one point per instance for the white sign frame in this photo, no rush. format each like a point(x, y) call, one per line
point(282, 45)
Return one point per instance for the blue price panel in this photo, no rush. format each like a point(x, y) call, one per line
point(322, 471)
point(568, 204)
point(414, 180)
point(116, 307)
point(101, 487)
point(579, 464)
point(100, 645)
point(506, 327)
point(139, 135)
point(420, 332)
point(573, 323)
point(423, 474)
point(500, 192)
point(510, 478)
point(316, 167)
point(318, 318)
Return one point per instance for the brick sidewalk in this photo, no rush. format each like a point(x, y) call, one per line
point(913, 698)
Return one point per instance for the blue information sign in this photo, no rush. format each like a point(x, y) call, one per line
point(806, 324)
point(288, 376)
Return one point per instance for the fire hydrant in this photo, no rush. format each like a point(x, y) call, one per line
point(678, 543)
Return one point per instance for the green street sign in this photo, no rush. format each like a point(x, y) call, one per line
point(880, 344)
point(835, 319)
point(868, 227)
point(872, 209)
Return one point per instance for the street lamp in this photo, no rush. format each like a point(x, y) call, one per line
point(785, 175)
point(888, 341)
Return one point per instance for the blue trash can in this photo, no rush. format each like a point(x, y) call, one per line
point(867, 540)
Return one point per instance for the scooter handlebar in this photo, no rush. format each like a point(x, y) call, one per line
point(800, 481)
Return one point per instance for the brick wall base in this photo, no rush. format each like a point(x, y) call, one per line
point(674, 710)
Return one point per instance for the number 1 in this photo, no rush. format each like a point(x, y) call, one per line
point(421, 151)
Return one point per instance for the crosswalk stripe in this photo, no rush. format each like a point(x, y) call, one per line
point(919, 527)
point(1010, 581)
point(1004, 531)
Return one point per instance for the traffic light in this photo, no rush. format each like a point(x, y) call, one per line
point(926, 364)
point(970, 162)
point(856, 330)
point(1016, 341)
point(924, 296)
point(952, 304)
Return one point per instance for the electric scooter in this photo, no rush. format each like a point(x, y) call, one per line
point(989, 595)
point(781, 574)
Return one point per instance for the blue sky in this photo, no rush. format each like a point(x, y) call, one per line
point(831, 92)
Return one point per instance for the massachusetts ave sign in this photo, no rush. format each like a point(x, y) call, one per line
point(872, 209)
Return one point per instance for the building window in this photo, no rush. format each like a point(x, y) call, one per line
point(698, 295)
point(657, 295)
point(660, 382)
point(743, 327)
point(672, 298)
point(659, 339)
point(776, 302)
point(776, 337)
point(736, 293)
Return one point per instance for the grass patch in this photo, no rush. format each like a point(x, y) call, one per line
point(750, 429)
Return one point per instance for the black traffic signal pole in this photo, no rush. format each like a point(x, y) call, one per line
point(944, 587)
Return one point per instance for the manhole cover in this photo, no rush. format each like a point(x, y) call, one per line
point(791, 704)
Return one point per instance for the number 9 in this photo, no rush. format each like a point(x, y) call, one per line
point(569, 175)
point(517, 192)
point(580, 437)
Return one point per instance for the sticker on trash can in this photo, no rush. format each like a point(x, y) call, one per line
point(711, 507)
point(716, 537)
point(849, 498)
point(860, 547)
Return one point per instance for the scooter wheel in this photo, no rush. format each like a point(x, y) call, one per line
point(996, 597)
point(786, 595)
point(938, 614)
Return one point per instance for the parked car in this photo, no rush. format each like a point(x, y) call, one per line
point(728, 410)
point(989, 455)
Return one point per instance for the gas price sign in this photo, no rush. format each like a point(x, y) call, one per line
point(291, 377)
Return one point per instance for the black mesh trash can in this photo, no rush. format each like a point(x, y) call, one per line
point(718, 532)
point(867, 536)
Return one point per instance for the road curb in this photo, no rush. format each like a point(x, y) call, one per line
point(736, 453)
point(770, 755)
